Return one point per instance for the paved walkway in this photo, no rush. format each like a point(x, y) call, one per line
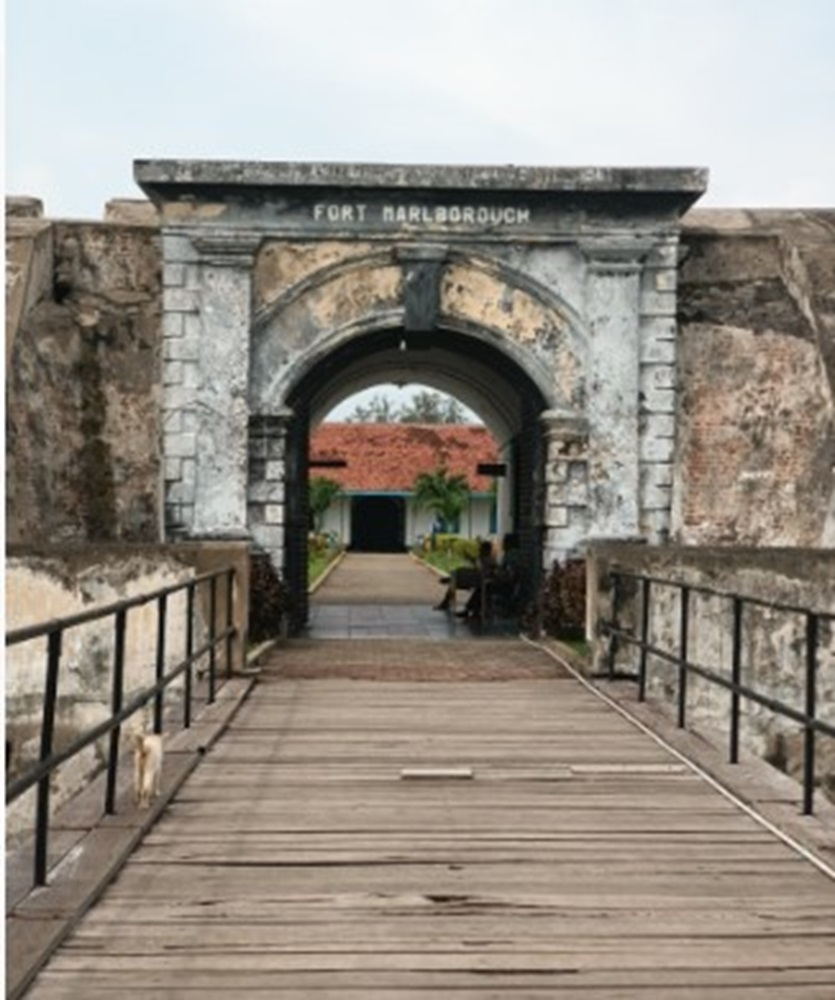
point(371, 596)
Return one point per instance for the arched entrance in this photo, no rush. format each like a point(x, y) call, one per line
point(473, 366)
point(543, 298)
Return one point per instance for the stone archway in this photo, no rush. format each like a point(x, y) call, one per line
point(514, 408)
point(547, 296)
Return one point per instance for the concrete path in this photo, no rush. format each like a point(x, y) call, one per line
point(371, 596)
point(364, 578)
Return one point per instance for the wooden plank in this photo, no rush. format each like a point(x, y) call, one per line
point(580, 860)
point(605, 985)
point(87, 849)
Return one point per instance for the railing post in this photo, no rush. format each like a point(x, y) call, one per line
point(116, 707)
point(212, 637)
point(736, 677)
point(159, 673)
point(642, 662)
point(811, 699)
point(189, 655)
point(682, 656)
point(613, 643)
point(230, 618)
point(50, 698)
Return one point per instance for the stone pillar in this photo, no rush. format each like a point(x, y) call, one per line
point(613, 386)
point(566, 514)
point(206, 325)
point(658, 388)
point(267, 513)
point(180, 374)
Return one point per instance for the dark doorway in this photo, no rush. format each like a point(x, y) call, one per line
point(378, 524)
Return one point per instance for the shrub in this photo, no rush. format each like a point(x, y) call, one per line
point(466, 549)
point(269, 599)
point(562, 600)
point(456, 547)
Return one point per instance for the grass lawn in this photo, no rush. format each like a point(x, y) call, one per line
point(318, 562)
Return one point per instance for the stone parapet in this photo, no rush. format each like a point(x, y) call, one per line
point(773, 652)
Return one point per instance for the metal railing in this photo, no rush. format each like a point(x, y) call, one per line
point(678, 658)
point(49, 760)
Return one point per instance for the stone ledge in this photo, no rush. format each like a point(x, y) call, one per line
point(154, 174)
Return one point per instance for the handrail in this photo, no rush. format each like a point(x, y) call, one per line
point(680, 660)
point(27, 632)
point(54, 630)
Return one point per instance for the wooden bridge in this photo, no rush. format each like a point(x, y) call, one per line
point(397, 817)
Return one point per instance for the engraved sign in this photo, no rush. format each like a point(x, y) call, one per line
point(337, 213)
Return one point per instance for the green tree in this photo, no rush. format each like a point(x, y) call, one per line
point(443, 493)
point(322, 491)
point(425, 407)
point(432, 408)
point(378, 410)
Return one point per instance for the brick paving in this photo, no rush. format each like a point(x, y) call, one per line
point(379, 596)
point(410, 660)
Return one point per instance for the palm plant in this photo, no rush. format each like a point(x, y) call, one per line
point(321, 494)
point(445, 494)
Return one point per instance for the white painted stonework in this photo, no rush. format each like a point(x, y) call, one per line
point(542, 298)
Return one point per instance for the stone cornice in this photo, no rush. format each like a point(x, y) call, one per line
point(233, 249)
point(564, 425)
point(622, 255)
point(180, 175)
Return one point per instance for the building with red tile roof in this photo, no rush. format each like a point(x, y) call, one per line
point(377, 464)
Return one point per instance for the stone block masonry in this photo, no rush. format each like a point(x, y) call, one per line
point(755, 455)
point(115, 349)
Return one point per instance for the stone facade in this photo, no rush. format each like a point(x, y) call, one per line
point(544, 297)
point(163, 371)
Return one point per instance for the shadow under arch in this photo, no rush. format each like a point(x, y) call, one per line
point(472, 368)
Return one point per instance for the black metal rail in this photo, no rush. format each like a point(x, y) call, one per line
point(647, 585)
point(54, 631)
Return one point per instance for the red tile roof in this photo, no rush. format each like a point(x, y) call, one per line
point(387, 457)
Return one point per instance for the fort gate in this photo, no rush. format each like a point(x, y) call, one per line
point(544, 299)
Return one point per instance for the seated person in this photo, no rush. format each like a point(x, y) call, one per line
point(504, 579)
point(469, 577)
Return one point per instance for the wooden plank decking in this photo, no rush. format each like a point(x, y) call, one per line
point(580, 860)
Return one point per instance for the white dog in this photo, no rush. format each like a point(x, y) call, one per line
point(147, 767)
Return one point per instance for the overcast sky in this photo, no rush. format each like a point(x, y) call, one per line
point(743, 87)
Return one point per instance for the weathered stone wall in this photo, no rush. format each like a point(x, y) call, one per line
point(40, 588)
point(773, 647)
point(29, 263)
point(756, 370)
point(51, 583)
point(83, 382)
point(756, 423)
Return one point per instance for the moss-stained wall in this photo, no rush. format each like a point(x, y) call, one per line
point(756, 423)
point(83, 384)
point(756, 378)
